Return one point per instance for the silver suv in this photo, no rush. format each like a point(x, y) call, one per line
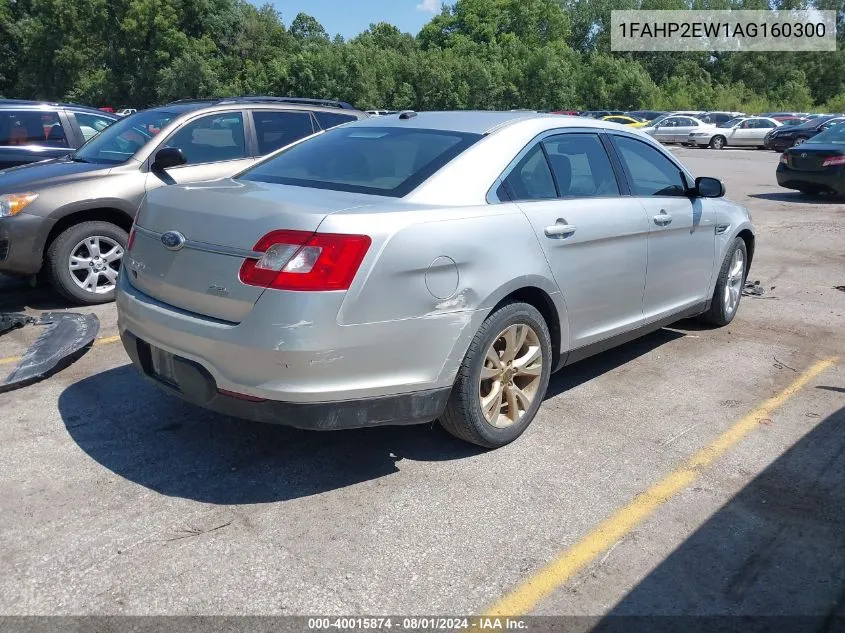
point(70, 217)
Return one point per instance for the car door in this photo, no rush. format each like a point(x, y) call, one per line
point(682, 129)
point(742, 134)
point(215, 146)
point(682, 231)
point(594, 238)
point(760, 128)
point(665, 132)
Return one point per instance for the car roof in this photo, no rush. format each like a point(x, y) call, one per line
point(25, 104)
point(469, 121)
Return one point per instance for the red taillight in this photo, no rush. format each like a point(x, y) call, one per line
point(131, 239)
point(784, 159)
point(302, 260)
point(832, 161)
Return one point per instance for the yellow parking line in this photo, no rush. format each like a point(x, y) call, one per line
point(100, 341)
point(530, 592)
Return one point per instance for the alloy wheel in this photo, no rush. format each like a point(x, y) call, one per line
point(94, 264)
point(733, 287)
point(510, 376)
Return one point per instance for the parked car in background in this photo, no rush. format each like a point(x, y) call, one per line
point(817, 165)
point(380, 112)
point(715, 118)
point(739, 132)
point(357, 278)
point(625, 120)
point(567, 112)
point(126, 111)
point(673, 128)
point(786, 137)
point(645, 115)
point(71, 216)
point(598, 114)
point(32, 131)
point(108, 109)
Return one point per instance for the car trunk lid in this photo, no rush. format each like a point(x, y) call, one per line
point(190, 241)
point(812, 157)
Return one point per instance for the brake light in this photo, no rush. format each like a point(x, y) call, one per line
point(833, 160)
point(131, 239)
point(302, 260)
point(784, 158)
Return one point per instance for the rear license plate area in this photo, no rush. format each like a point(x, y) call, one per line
point(162, 366)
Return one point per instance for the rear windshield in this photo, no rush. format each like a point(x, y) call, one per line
point(835, 134)
point(119, 142)
point(383, 161)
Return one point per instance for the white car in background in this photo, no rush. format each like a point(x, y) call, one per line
point(126, 112)
point(740, 132)
point(674, 128)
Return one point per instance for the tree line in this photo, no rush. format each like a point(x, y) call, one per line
point(475, 54)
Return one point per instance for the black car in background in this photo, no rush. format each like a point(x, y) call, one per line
point(31, 131)
point(646, 115)
point(817, 165)
point(785, 137)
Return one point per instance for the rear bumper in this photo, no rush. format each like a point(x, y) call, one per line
point(196, 385)
point(833, 180)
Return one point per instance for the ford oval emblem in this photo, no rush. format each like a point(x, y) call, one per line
point(173, 240)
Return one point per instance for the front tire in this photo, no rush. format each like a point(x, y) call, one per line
point(84, 260)
point(729, 286)
point(718, 142)
point(503, 378)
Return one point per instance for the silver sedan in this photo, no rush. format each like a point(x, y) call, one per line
point(423, 266)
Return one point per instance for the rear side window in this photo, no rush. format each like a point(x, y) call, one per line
point(531, 178)
point(211, 139)
point(581, 166)
point(383, 161)
point(331, 119)
point(277, 129)
point(31, 127)
point(652, 174)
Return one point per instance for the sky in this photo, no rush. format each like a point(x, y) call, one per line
point(350, 17)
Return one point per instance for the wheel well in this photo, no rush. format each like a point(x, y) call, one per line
point(544, 304)
point(748, 237)
point(115, 216)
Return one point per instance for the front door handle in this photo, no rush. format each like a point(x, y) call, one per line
point(662, 218)
point(559, 230)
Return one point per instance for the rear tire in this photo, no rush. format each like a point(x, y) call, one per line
point(729, 285)
point(718, 142)
point(94, 250)
point(513, 338)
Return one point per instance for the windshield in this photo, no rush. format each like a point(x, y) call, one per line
point(834, 135)
point(384, 161)
point(659, 120)
point(731, 123)
point(119, 142)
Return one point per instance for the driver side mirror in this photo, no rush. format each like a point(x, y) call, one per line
point(706, 187)
point(168, 157)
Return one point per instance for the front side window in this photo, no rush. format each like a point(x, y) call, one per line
point(31, 127)
point(531, 178)
point(211, 139)
point(277, 129)
point(730, 123)
point(651, 173)
point(384, 161)
point(581, 166)
point(121, 140)
point(91, 124)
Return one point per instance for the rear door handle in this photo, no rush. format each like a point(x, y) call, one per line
point(560, 230)
point(662, 218)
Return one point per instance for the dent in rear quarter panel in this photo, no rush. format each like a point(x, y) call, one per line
point(494, 250)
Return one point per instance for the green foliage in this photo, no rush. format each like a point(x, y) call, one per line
point(475, 54)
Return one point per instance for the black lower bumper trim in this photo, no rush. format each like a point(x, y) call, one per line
point(196, 385)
